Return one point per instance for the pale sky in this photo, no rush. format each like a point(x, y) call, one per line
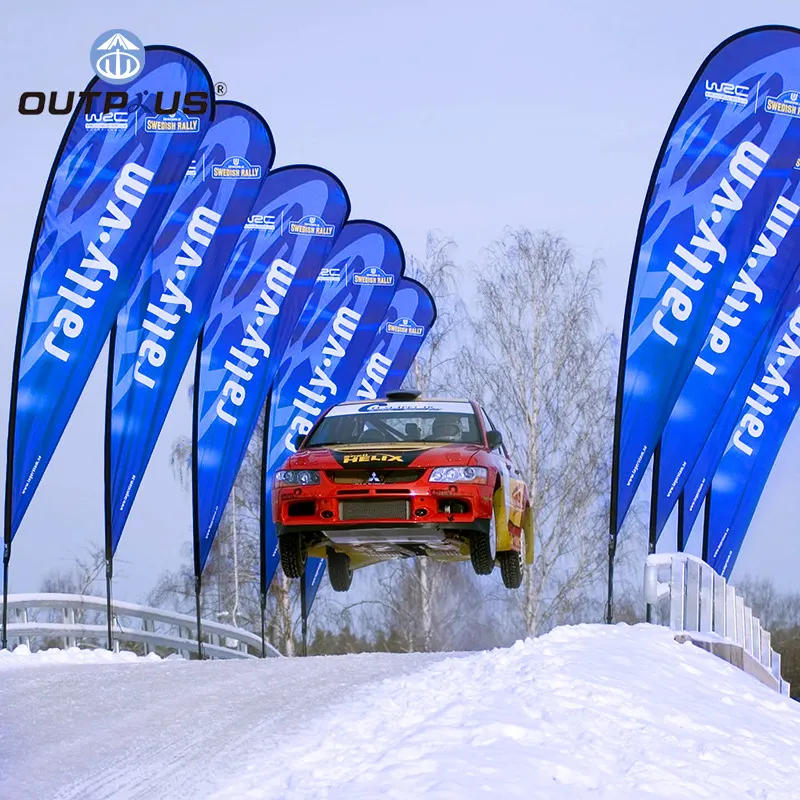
point(459, 116)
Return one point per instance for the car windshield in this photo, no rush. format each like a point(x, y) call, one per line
point(393, 427)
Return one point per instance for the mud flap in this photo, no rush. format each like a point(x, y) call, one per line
point(527, 529)
point(501, 521)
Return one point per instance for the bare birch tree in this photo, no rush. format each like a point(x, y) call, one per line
point(436, 363)
point(543, 369)
point(531, 349)
point(422, 598)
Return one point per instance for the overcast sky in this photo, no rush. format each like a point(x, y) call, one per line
point(458, 116)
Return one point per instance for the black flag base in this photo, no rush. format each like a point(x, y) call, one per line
point(6, 559)
point(263, 625)
point(304, 613)
point(109, 568)
point(652, 538)
point(199, 623)
point(612, 547)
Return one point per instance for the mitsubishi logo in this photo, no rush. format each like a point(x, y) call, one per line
point(374, 478)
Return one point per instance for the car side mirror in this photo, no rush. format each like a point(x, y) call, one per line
point(495, 439)
point(298, 440)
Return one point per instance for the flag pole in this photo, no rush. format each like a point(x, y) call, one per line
point(262, 528)
point(197, 588)
point(653, 528)
point(304, 612)
point(263, 625)
point(198, 567)
point(6, 559)
point(109, 534)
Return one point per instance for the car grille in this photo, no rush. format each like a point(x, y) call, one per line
point(362, 476)
point(373, 509)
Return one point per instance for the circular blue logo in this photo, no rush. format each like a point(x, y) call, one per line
point(117, 56)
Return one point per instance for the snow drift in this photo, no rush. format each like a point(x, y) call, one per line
point(22, 657)
point(585, 711)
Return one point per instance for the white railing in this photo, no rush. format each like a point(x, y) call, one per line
point(686, 594)
point(131, 623)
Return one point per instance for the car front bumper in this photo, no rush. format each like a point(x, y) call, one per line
point(417, 511)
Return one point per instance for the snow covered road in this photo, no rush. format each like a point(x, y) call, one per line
point(161, 729)
point(583, 712)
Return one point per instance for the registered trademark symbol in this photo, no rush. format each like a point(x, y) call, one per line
point(220, 89)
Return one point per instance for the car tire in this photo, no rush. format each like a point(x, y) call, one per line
point(482, 550)
point(512, 565)
point(293, 554)
point(339, 572)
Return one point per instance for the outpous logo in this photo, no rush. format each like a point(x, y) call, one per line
point(117, 56)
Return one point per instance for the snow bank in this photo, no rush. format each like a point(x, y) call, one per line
point(591, 711)
point(21, 657)
point(585, 711)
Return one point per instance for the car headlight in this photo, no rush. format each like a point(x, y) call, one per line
point(459, 475)
point(296, 477)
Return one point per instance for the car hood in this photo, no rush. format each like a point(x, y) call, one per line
point(387, 456)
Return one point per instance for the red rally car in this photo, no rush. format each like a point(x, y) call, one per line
point(399, 477)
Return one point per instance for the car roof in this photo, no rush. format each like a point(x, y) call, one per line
point(385, 401)
point(446, 404)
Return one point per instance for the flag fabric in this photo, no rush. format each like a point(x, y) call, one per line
point(276, 263)
point(728, 158)
point(157, 328)
point(405, 326)
point(766, 415)
point(402, 333)
point(333, 338)
point(698, 483)
point(112, 181)
point(747, 311)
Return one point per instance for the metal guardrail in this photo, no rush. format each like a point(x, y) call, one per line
point(699, 601)
point(131, 622)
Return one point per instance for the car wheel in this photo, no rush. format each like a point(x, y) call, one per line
point(293, 554)
point(483, 550)
point(339, 572)
point(512, 565)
